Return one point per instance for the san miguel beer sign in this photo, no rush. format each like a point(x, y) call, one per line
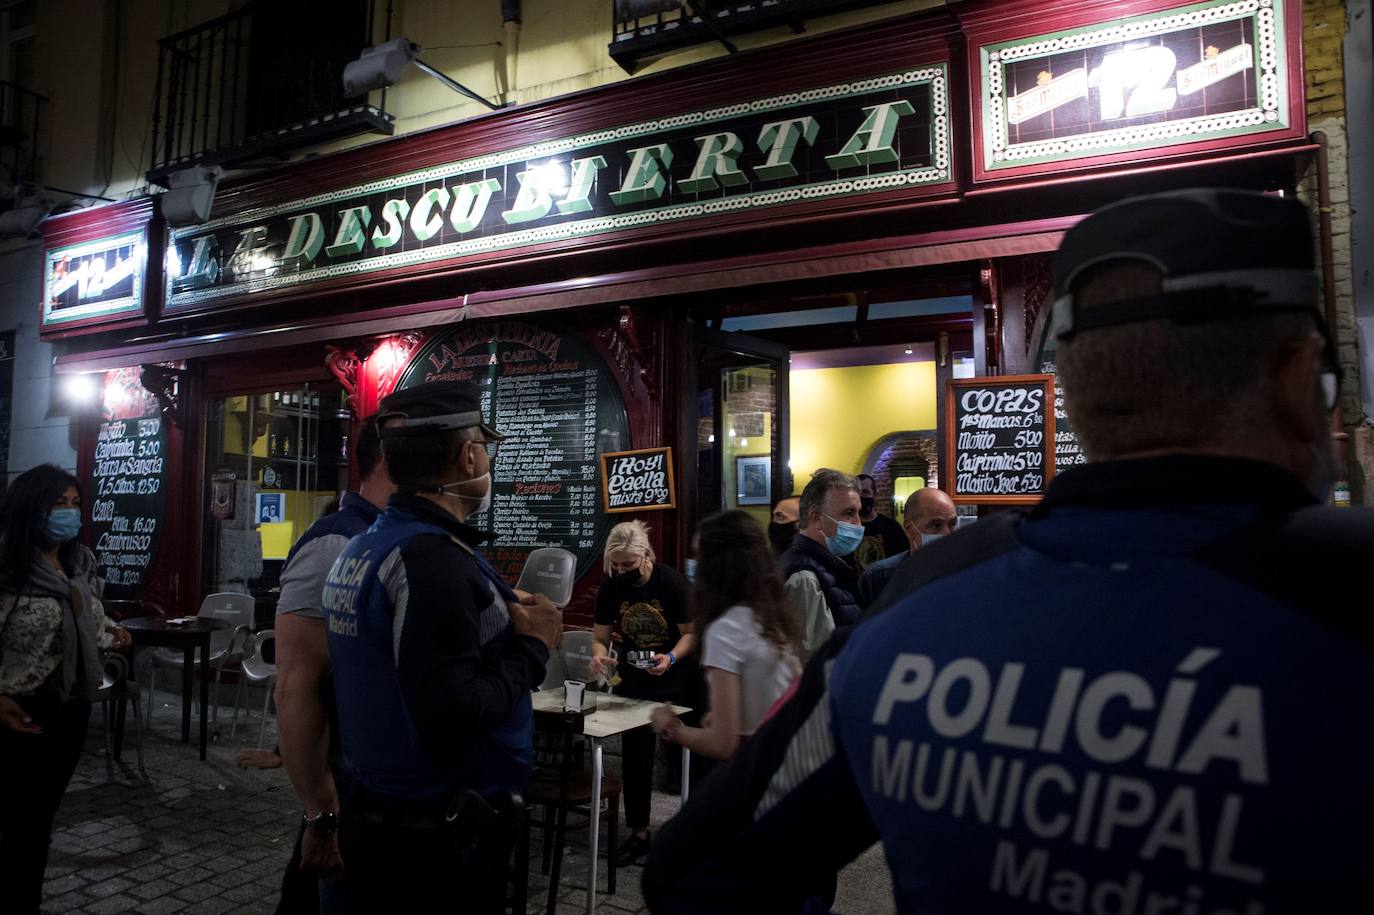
point(1202, 72)
point(862, 137)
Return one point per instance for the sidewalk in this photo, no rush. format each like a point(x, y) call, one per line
point(208, 837)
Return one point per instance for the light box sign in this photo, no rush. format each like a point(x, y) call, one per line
point(1200, 72)
point(863, 137)
point(102, 278)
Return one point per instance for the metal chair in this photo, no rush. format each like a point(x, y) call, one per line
point(258, 671)
point(227, 646)
point(115, 688)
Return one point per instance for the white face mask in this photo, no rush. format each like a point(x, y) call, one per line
point(484, 499)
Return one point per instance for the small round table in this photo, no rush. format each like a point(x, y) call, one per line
point(152, 631)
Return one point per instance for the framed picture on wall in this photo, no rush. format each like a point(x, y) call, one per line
point(269, 508)
point(753, 480)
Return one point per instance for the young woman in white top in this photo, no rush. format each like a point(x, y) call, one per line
point(748, 646)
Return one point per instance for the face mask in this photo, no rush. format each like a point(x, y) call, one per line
point(625, 579)
point(63, 524)
point(866, 504)
point(689, 569)
point(846, 539)
point(781, 533)
point(485, 498)
point(928, 539)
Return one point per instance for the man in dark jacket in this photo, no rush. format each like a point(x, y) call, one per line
point(820, 583)
point(1146, 696)
point(434, 658)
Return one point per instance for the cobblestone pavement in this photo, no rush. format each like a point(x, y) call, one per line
point(209, 837)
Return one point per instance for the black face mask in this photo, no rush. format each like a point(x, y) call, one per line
point(866, 504)
point(625, 579)
point(781, 534)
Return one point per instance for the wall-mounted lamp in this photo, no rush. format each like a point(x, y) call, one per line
point(81, 390)
point(382, 65)
point(30, 208)
point(190, 195)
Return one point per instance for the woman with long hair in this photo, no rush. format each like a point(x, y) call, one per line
point(749, 639)
point(52, 627)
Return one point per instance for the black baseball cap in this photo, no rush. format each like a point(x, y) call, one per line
point(1220, 253)
point(433, 407)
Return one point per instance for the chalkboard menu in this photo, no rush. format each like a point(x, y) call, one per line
point(638, 480)
point(999, 435)
point(129, 483)
point(1067, 451)
point(558, 407)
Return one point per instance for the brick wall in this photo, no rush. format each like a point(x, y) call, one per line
point(1324, 29)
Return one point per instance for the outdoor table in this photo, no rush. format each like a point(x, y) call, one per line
point(612, 715)
point(152, 631)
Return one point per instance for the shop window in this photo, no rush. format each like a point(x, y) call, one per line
point(275, 462)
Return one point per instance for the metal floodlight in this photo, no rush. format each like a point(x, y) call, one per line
point(382, 65)
point(192, 193)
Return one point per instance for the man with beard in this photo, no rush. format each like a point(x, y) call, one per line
point(1145, 695)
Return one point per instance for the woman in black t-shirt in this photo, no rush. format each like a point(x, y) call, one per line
point(645, 605)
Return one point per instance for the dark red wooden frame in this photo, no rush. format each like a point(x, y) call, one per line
point(986, 22)
point(94, 224)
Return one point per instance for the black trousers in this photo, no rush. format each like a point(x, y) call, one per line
point(395, 867)
point(34, 772)
point(637, 749)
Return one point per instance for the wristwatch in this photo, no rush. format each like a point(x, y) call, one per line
point(323, 823)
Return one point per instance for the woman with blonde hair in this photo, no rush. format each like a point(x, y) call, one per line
point(643, 605)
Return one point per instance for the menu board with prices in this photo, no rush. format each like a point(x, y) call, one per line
point(129, 483)
point(1067, 451)
point(557, 406)
point(1000, 438)
point(638, 480)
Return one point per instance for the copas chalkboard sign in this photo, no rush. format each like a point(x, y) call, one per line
point(999, 436)
point(635, 481)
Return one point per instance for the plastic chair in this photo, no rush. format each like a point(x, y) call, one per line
point(258, 671)
point(115, 687)
point(227, 646)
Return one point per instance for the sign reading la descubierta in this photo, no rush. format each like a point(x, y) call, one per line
point(854, 138)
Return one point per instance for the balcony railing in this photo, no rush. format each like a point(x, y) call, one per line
point(645, 29)
point(20, 112)
point(259, 82)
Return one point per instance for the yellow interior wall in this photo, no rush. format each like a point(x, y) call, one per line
point(758, 446)
point(838, 415)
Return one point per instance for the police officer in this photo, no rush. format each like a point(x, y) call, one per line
point(434, 658)
point(1149, 695)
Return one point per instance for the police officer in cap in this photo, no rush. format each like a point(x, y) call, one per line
point(434, 658)
point(1150, 694)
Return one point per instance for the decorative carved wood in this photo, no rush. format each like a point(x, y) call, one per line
point(623, 340)
point(344, 365)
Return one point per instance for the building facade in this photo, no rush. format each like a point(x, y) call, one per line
point(735, 266)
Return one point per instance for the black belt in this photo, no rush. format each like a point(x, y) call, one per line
point(468, 812)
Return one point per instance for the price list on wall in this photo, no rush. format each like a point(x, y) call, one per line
point(128, 483)
point(557, 407)
point(999, 435)
point(1067, 451)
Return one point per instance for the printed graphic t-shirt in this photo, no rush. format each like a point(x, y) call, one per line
point(647, 617)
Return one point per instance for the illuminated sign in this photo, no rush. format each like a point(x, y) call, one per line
point(873, 135)
point(94, 279)
point(1198, 72)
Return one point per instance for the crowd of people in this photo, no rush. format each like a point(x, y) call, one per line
point(1142, 696)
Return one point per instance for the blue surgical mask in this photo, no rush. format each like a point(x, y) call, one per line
point(63, 524)
point(689, 568)
point(847, 537)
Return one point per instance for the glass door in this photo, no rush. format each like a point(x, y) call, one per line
point(739, 423)
point(275, 462)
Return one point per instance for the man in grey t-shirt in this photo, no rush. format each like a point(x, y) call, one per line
point(304, 703)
